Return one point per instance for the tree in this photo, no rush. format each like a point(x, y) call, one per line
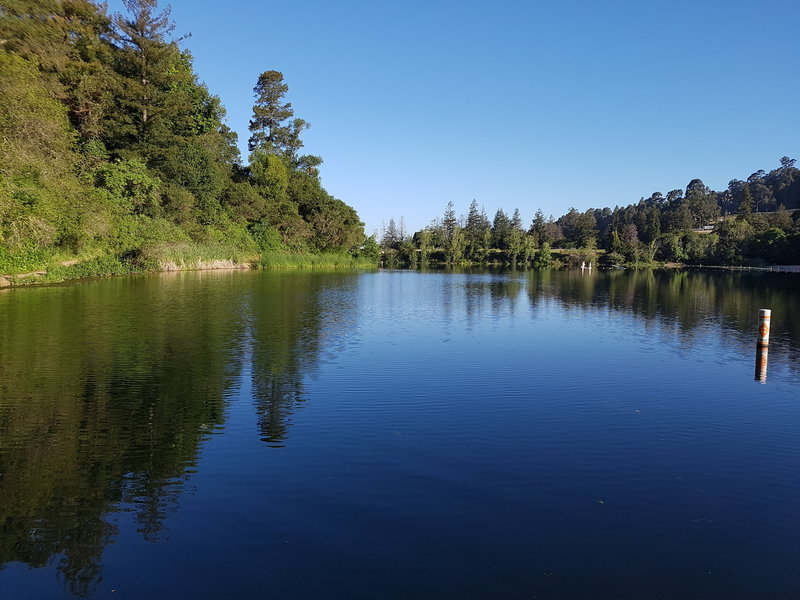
point(538, 228)
point(270, 132)
point(733, 235)
point(391, 237)
point(746, 205)
point(579, 228)
point(477, 232)
point(762, 194)
point(516, 241)
point(454, 247)
point(543, 258)
point(67, 42)
point(269, 174)
point(701, 202)
point(38, 189)
point(425, 244)
point(501, 229)
point(148, 60)
point(450, 221)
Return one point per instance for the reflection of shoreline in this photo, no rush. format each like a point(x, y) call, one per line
point(290, 315)
point(693, 301)
point(131, 375)
point(772, 269)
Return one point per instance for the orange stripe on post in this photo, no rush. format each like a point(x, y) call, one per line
point(763, 327)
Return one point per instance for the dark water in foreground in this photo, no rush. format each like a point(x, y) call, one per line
point(400, 435)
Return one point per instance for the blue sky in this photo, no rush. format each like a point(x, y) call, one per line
point(515, 104)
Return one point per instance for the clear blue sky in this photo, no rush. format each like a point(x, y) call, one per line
point(515, 104)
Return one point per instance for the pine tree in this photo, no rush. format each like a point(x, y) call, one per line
point(270, 113)
point(746, 206)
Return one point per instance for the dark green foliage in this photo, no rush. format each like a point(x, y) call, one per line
point(131, 185)
point(243, 202)
point(579, 228)
point(696, 226)
point(270, 112)
point(267, 238)
point(111, 147)
point(477, 233)
point(369, 250)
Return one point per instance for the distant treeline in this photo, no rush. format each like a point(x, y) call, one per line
point(112, 150)
point(753, 222)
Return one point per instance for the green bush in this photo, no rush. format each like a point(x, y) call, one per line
point(266, 237)
point(24, 261)
point(138, 231)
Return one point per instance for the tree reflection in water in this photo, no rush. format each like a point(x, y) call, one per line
point(108, 389)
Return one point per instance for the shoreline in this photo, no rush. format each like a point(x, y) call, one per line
point(34, 278)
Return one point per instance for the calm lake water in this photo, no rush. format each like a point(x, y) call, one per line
point(400, 435)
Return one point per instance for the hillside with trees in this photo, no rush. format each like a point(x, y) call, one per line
point(754, 222)
point(114, 157)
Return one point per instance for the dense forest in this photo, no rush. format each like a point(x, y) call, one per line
point(115, 158)
point(754, 222)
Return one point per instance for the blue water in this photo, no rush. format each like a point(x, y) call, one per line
point(398, 435)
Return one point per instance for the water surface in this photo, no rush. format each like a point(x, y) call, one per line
point(400, 434)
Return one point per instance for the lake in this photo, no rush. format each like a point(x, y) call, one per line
point(400, 434)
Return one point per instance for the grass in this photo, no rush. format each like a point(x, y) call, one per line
point(168, 257)
point(198, 256)
point(24, 261)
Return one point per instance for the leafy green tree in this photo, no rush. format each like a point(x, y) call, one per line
point(516, 240)
point(370, 249)
point(269, 175)
point(40, 199)
point(733, 236)
point(677, 214)
point(772, 245)
point(132, 186)
point(243, 203)
point(425, 245)
point(543, 257)
point(455, 246)
point(701, 202)
point(335, 225)
point(188, 163)
point(67, 41)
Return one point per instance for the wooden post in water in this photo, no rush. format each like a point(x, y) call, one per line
point(762, 345)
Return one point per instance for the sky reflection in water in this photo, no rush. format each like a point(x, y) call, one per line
point(399, 434)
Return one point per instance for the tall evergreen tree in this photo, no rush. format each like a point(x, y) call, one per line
point(147, 59)
point(269, 128)
point(746, 206)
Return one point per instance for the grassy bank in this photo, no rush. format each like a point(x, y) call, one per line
point(54, 268)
